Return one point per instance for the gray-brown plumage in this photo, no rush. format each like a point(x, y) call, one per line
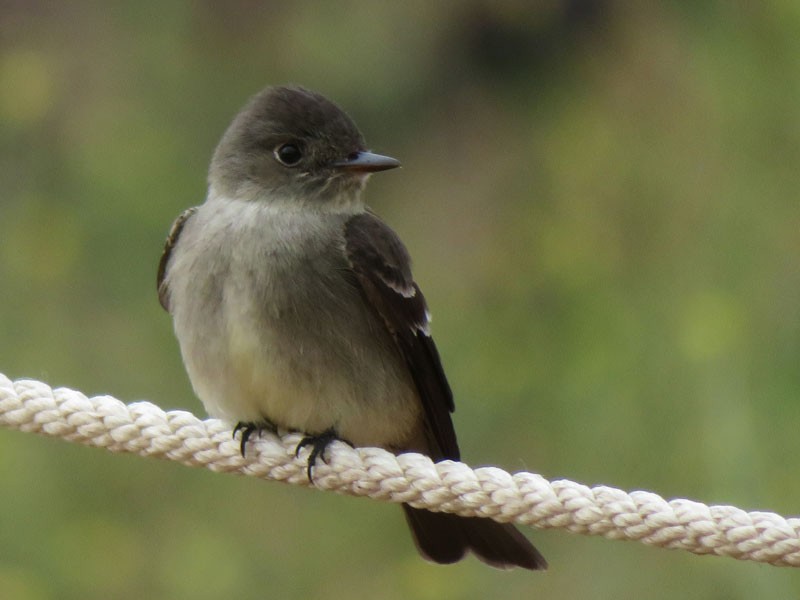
point(295, 306)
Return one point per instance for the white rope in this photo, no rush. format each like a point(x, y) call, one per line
point(524, 498)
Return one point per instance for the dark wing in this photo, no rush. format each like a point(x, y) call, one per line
point(172, 239)
point(383, 269)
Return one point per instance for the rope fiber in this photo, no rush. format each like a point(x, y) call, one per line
point(523, 498)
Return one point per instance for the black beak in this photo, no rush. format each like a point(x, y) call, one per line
point(366, 162)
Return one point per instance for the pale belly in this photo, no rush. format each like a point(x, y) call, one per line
point(287, 341)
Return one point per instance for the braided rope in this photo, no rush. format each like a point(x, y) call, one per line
point(524, 498)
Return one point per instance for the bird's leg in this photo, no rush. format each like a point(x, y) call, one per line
point(319, 444)
point(248, 428)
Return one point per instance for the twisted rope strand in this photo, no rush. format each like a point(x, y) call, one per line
point(523, 498)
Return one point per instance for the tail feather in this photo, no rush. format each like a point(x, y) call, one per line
point(444, 538)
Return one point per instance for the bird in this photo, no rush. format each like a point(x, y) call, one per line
point(295, 307)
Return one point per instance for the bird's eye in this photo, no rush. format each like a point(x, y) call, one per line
point(288, 154)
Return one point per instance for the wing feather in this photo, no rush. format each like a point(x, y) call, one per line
point(382, 267)
point(172, 239)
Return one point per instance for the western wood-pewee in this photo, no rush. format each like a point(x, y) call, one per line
point(295, 307)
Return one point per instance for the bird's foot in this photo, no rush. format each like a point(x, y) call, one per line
point(248, 428)
point(319, 444)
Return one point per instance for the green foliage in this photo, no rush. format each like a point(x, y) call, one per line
point(601, 200)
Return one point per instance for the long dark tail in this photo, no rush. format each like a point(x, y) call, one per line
point(445, 538)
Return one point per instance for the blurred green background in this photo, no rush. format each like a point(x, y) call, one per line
point(602, 202)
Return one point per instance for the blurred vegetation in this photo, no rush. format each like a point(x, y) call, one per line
point(602, 202)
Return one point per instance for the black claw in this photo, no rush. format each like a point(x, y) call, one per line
point(319, 445)
point(248, 428)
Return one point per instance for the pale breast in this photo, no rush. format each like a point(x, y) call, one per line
point(271, 325)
